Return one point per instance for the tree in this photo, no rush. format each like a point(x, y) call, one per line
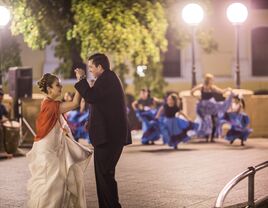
point(131, 31)
point(9, 52)
point(42, 21)
point(127, 30)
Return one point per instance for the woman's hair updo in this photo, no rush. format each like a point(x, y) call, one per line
point(208, 77)
point(46, 81)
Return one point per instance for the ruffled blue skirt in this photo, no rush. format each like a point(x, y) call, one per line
point(205, 110)
point(239, 126)
point(150, 126)
point(174, 130)
point(76, 121)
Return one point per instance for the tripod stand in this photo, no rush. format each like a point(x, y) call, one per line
point(22, 121)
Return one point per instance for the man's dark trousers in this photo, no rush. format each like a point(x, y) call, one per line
point(106, 157)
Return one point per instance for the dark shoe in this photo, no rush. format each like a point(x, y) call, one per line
point(242, 143)
point(145, 143)
point(231, 142)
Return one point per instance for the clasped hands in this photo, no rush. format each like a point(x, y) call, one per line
point(80, 74)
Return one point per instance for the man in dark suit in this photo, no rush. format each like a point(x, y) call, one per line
point(108, 129)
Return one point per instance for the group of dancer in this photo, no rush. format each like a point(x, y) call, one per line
point(167, 121)
point(215, 107)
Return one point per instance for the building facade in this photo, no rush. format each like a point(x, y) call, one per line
point(253, 47)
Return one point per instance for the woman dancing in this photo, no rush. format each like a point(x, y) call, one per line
point(172, 127)
point(238, 121)
point(56, 160)
point(210, 105)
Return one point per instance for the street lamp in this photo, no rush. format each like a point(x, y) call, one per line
point(4, 19)
point(237, 13)
point(193, 14)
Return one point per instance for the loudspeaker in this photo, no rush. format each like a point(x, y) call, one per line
point(20, 82)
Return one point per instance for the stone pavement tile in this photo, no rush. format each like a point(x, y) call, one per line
point(156, 176)
point(191, 177)
point(9, 203)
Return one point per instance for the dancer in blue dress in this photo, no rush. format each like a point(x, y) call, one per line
point(77, 120)
point(210, 106)
point(238, 120)
point(152, 130)
point(146, 111)
point(174, 128)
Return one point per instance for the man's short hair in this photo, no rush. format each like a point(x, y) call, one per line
point(100, 59)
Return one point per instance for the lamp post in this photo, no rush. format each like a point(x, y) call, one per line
point(237, 13)
point(4, 19)
point(193, 14)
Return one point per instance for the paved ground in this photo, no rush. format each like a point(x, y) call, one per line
point(156, 176)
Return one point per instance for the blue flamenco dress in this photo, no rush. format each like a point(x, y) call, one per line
point(207, 109)
point(239, 126)
point(150, 126)
point(76, 121)
point(174, 129)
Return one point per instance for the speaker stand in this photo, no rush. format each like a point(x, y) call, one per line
point(22, 121)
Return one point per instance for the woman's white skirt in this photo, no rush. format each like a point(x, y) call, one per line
point(57, 163)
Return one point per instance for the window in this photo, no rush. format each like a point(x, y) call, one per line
point(260, 51)
point(259, 4)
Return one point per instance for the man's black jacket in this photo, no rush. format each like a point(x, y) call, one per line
point(108, 116)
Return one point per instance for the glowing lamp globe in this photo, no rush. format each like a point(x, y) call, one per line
point(4, 16)
point(193, 14)
point(237, 13)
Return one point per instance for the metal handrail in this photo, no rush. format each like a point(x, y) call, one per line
point(250, 173)
point(261, 166)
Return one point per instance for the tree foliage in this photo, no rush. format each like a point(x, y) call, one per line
point(129, 31)
point(42, 21)
point(10, 52)
point(152, 80)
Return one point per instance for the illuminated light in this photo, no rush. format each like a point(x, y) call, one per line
point(4, 16)
point(237, 13)
point(193, 14)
